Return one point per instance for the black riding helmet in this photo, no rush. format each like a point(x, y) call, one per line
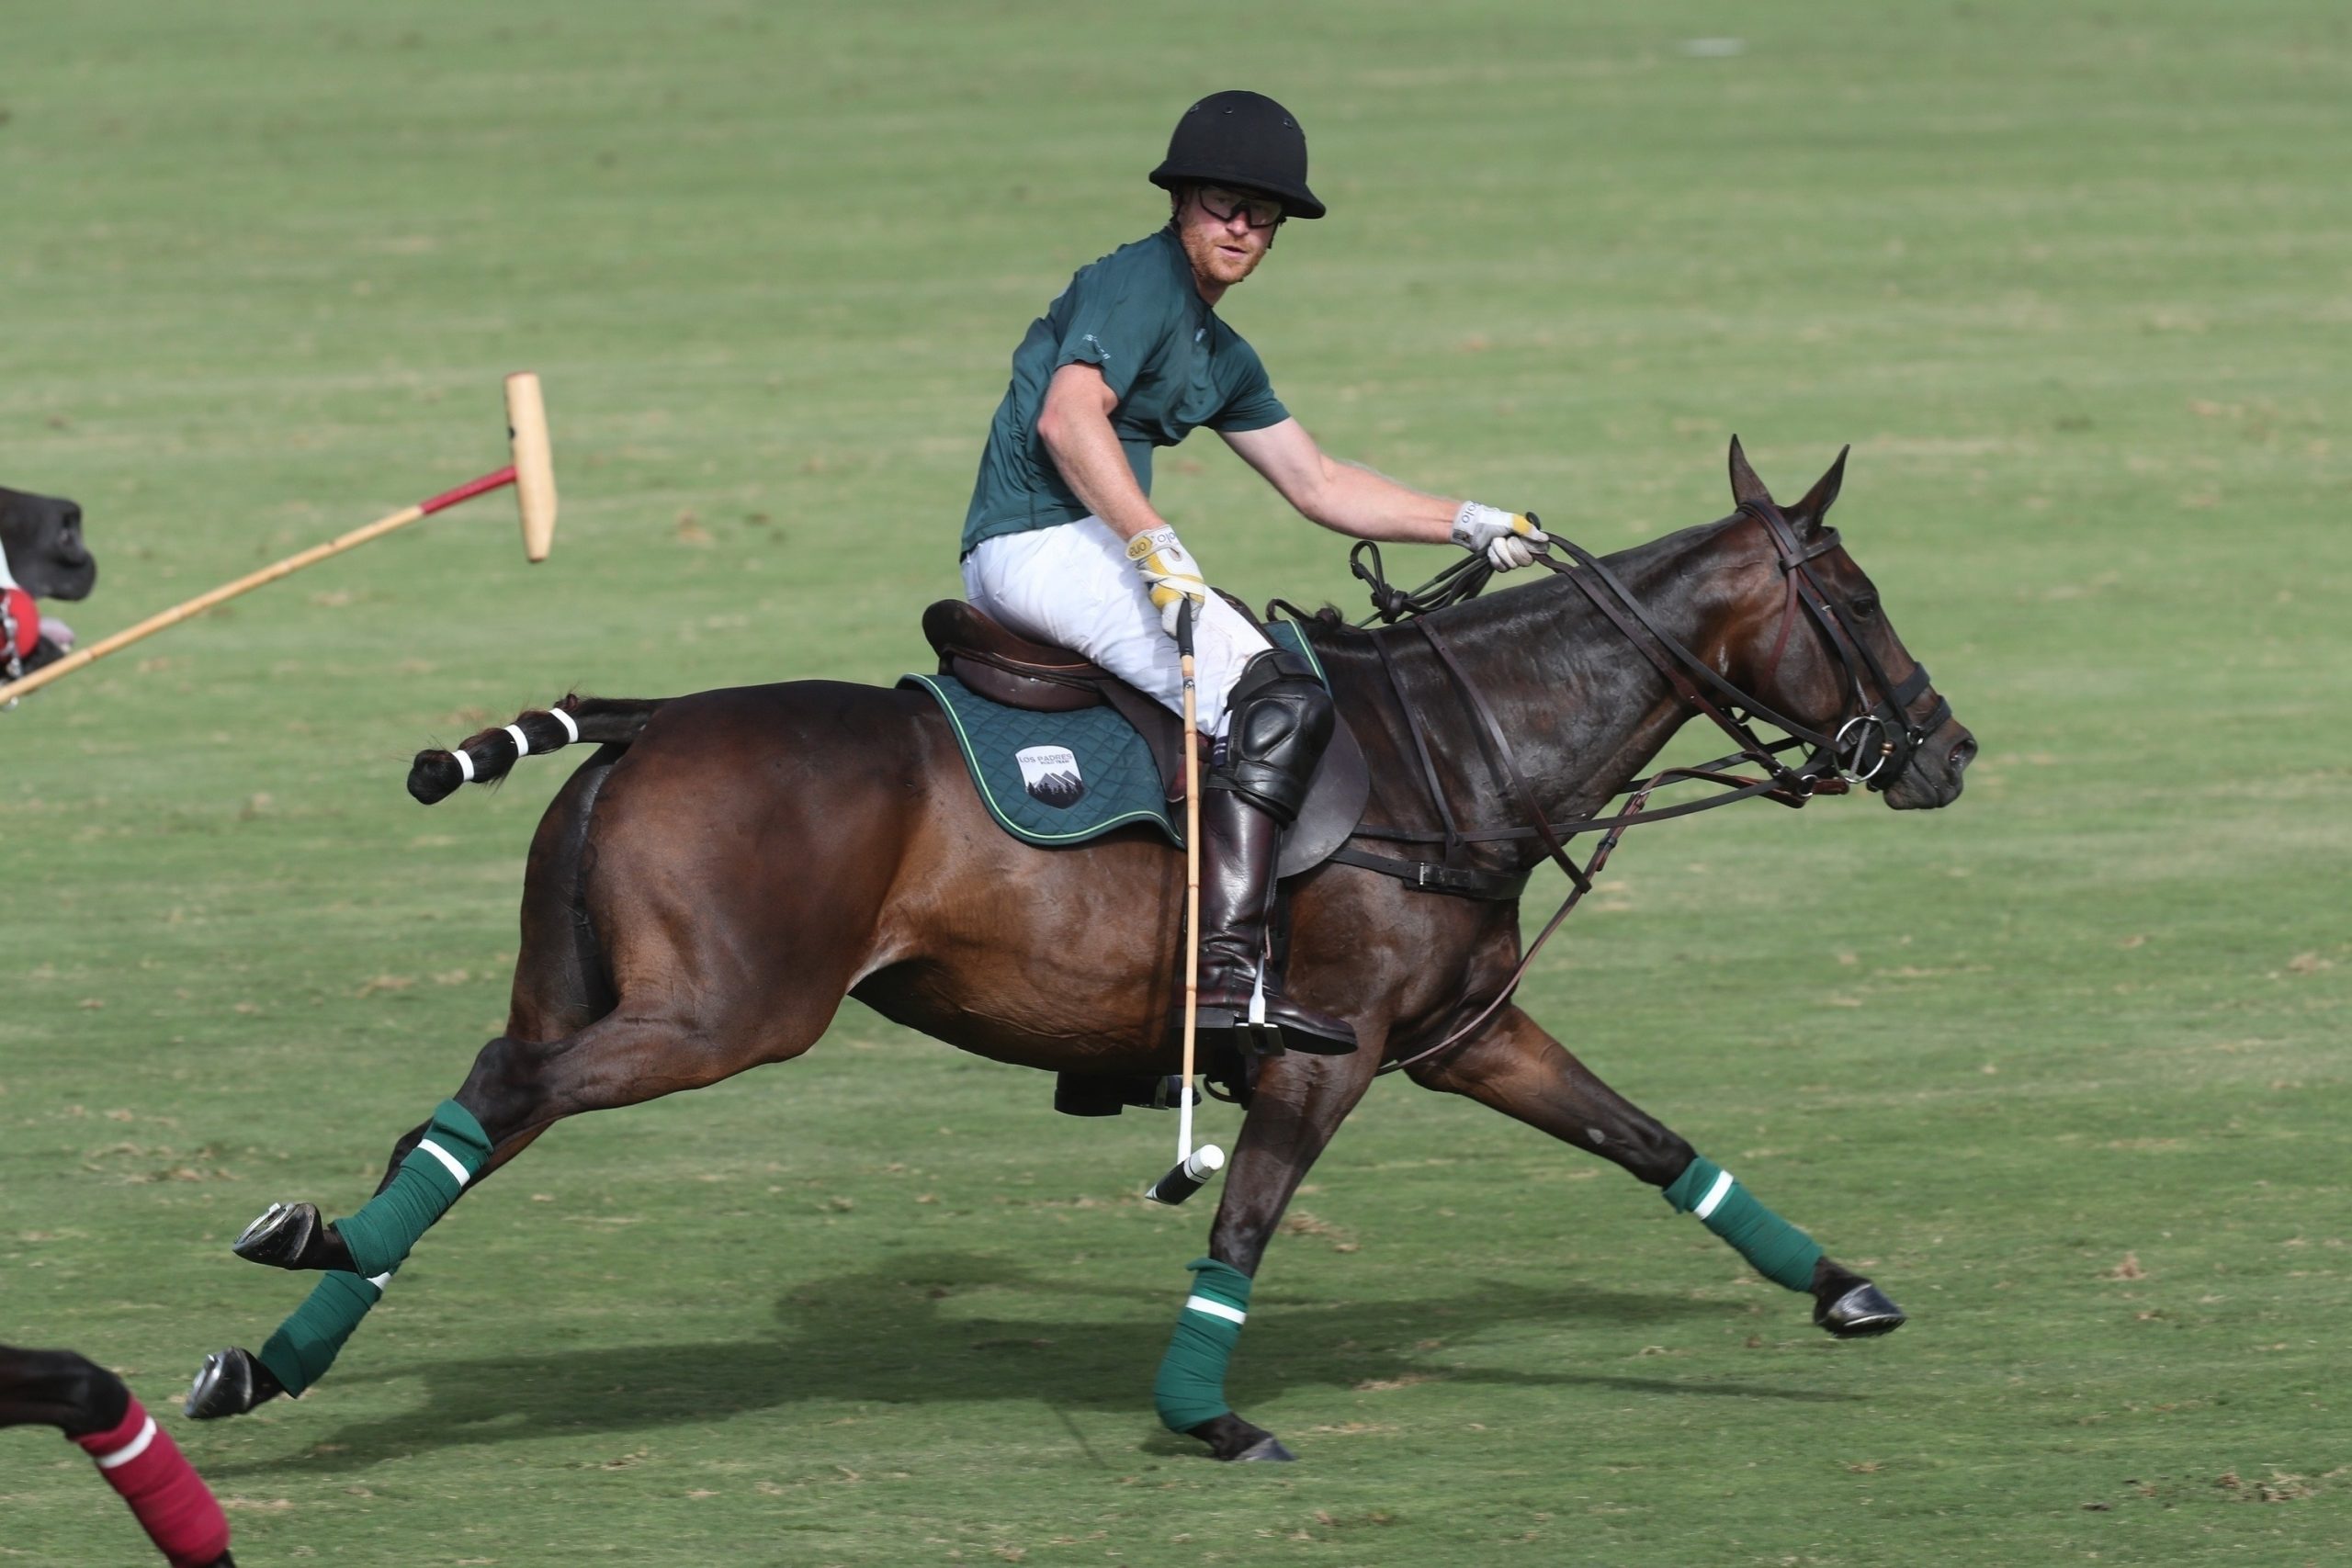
point(1241, 139)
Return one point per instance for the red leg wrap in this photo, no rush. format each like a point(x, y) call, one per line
point(140, 1461)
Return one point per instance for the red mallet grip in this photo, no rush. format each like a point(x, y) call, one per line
point(24, 621)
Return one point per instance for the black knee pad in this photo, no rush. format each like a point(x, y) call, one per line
point(1281, 722)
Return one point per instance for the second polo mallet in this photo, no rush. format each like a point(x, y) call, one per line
point(1194, 1166)
point(532, 474)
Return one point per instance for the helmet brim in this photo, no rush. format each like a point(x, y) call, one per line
point(1297, 200)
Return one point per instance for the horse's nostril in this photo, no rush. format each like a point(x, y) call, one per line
point(1963, 753)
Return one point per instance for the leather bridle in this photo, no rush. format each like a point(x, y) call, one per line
point(1874, 743)
point(1881, 704)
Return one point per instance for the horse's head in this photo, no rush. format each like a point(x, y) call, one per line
point(1813, 641)
point(41, 536)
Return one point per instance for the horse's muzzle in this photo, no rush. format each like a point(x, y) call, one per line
point(1932, 778)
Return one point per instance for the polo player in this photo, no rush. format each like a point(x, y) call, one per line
point(1062, 543)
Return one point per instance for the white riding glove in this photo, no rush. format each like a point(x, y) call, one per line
point(1168, 566)
point(1507, 539)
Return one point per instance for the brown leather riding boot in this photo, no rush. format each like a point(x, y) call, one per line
point(1238, 843)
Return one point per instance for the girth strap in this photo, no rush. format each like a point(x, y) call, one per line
point(1429, 876)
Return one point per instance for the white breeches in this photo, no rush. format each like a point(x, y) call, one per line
point(1073, 586)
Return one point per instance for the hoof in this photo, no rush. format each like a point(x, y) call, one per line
point(1232, 1439)
point(1861, 1313)
point(232, 1383)
point(292, 1235)
point(1266, 1451)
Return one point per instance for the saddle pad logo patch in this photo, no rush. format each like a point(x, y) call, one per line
point(1051, 775)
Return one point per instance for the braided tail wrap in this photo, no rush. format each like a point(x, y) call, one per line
point(433, 774)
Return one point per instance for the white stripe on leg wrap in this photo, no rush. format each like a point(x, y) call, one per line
point(1215, 1309)
point(131, 1450)
point(448, 1160)
point(1715, 1195)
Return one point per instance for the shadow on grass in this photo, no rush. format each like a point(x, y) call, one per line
point(898, 1334)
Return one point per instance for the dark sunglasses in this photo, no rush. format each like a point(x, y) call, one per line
point(1257, 212)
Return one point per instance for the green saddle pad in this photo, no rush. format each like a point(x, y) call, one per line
point(1055, 779)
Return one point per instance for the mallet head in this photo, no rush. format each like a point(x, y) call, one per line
point(526, 433)
point(1187, 1175)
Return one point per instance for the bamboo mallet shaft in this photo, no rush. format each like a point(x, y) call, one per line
point(1192, 901)
point(1194, 1166)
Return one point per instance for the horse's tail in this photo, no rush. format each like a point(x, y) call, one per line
point(491, 755)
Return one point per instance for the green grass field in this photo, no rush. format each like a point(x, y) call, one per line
point(2064, 1067)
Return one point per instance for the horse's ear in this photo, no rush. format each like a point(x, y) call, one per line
point(1808, 513)
point(1744, 486)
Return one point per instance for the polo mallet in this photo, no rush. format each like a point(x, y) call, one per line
point(532, 474)
point(1194, 1166)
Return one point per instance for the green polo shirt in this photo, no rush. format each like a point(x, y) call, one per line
point(1173, 365)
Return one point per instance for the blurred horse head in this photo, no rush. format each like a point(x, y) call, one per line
point(42, 537)
point(43, 553)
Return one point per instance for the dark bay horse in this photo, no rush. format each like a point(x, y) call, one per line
point(727, 866)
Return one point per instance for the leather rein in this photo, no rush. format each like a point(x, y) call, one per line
point(1837, 760)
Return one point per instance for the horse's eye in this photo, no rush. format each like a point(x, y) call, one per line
point(1866, 606)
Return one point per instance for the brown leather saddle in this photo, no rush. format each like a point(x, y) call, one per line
point(1006, 668)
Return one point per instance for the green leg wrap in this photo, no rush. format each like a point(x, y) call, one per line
point(1191, 1385)
point(1776, 1249)
point(306, 1344)
point(436, 1171)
